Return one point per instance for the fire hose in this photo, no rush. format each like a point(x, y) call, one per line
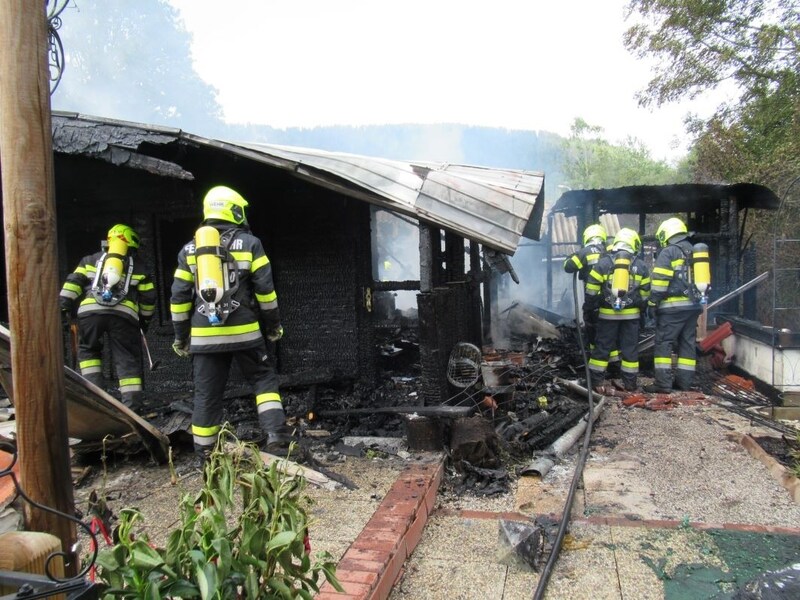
point(562, 529)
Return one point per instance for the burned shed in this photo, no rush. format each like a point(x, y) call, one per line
point(715, 213)
point(314, 211)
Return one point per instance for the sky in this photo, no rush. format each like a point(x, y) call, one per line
point(515, 64)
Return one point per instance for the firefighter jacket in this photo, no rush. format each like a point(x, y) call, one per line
point(137, 306)
point(598, 289)
point(258, 302)
point(672, 290)
point(584, 259)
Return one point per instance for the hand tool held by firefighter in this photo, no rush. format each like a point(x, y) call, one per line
point(152, 365)
point(701, 270)
point(210, 271)
point(181, 348)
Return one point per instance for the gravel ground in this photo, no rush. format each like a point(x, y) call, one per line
point(691, 468)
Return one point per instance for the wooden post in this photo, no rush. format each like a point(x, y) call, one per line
point(37, 361)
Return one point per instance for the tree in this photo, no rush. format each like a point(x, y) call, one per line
point(755, 137)
point(701, 43)
point(590, 161)
point(134, 63)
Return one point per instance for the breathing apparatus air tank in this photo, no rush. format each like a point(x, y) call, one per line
point(701, 271)
point(111, 273)
point(620, 277)
point(210, 270)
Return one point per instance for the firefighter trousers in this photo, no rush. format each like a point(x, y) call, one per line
point(612, 334)
point(675, 329)
point(211, 371)
point(126, 352)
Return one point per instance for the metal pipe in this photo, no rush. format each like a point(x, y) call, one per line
point(738, 291)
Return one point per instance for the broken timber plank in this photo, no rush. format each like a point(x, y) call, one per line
point(425, 411)
point(92, 413)
point(292, 468)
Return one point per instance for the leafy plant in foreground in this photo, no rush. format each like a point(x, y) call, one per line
point(243, 535)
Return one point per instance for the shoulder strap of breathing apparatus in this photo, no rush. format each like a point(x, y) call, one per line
point(217, 275)
point(111, 279)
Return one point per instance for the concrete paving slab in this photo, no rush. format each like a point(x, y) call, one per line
point(586, 568)
point(610, 478)
point(631, 505)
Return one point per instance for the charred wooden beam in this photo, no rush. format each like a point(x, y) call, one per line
point(391, 286)
point(425, 411)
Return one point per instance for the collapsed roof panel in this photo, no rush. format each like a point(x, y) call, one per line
point(495, 207)
point(660, 199)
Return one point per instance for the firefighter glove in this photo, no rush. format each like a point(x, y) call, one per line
point(144, 325)
point(275, 334)
point(181, 348)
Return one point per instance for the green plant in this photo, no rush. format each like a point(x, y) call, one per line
point(243, 535)
point(795, 454)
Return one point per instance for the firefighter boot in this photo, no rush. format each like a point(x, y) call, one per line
point(630, 384)
point(133, 400)
point(279, 435)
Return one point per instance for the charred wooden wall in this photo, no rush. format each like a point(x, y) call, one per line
point(318, 243)
point(447, 315)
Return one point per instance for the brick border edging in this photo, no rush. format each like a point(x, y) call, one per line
point(371, 565)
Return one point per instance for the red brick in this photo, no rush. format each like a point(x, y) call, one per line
point(383, 589)
point(334, 595)
point(352, 564)
point(384, 546)
point(430, 499)
point(369, 578)
point(366, 554)
point(414, 533)
point(389, 522)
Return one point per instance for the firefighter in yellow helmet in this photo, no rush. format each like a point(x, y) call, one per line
point(582, 262)
point(110, 293)
point(222, 299)
point(619, 285)
point(676, 308)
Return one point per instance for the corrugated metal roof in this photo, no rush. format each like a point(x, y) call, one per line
point(492, 206)
point(566, 238)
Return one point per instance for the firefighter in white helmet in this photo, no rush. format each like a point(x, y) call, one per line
point(619, 285)
point(110, 293)
point(222, 299)
point(582, 262)
point(676, 305)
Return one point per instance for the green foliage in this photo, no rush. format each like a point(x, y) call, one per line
point(241, 536)
point(699, 44)
point(590, 161)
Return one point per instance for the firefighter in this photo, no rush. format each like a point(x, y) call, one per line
point(223, 303)
point(111, 294)
point(618, 287)
point(676, 306)
point(582, 262)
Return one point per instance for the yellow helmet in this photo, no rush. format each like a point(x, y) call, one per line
point(594, 231)
point(627, 238)
point(225, 204)
point(125, 233)
point(670, 228)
